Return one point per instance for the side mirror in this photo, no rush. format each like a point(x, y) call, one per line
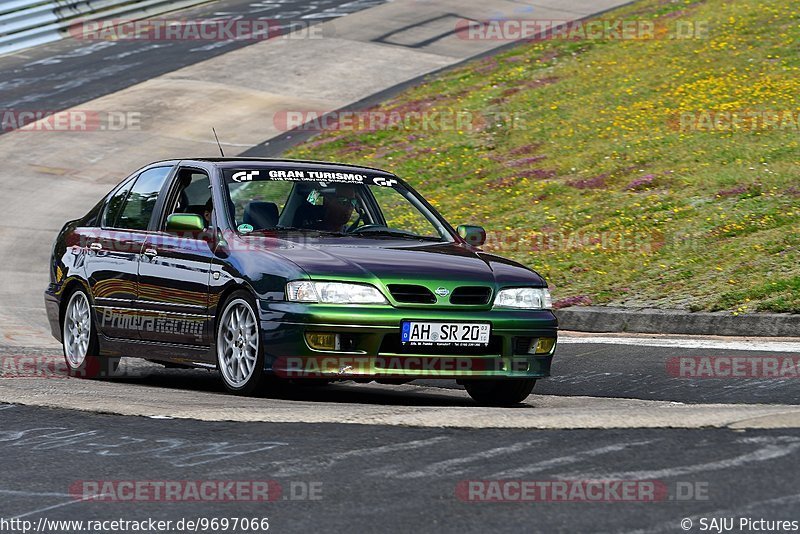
point(474, 235)
point(185, 222)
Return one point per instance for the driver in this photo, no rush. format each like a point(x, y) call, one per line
point(208, 212)
point(339, 204)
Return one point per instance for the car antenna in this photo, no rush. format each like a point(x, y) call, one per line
point(217, 138)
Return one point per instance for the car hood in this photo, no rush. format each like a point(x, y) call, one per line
point(400, 261)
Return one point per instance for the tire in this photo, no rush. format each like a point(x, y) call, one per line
point(80, 343)
point(240, 355)
point(500, 392)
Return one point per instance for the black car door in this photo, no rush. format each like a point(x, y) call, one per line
point(174, 269)
point(114, 249)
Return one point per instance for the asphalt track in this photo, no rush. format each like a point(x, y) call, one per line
point(614, 383)
point(391, 479)
point(67, 73)
point(403, 475)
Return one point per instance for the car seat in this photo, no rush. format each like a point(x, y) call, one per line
point(261, 215)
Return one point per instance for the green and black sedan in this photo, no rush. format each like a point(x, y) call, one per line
point(279, 271)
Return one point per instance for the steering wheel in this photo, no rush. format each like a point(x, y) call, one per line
point(361, 213)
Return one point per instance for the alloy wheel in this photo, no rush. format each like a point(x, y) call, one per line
point(77, 330)
point(237, 343)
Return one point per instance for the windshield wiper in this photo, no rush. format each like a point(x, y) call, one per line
point(296, 229)
point(393, 233)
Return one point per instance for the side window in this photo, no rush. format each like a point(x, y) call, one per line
point(192, 195)
point(114, 205)
point(138, 207)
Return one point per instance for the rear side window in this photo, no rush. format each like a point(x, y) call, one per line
point(138, 207)
point(115, 205)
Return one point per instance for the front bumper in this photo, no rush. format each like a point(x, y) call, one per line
point(374, 351)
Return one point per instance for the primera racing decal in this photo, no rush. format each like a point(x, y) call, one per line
point(187, 326)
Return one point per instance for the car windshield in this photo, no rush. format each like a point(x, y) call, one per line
point(308, 200)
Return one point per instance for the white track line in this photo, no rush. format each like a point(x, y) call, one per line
point(313, 464)
point(32, 493)
point(446, 466)
point(550, 463)
point(771, 448)
point(60, 505)
point(750, 345)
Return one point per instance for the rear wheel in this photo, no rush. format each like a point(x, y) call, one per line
point(240, 357)
point(500, 392)
point(81, 347)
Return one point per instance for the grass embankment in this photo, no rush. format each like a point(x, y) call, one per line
point(599, 187)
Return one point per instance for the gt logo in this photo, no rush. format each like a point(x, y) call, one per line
point(244, 176)
point(385, 182)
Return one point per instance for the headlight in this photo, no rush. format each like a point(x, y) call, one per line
point(531, 298)
point(333, 293)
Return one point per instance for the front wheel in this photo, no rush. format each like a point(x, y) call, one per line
point(81, 347)
point(500, 392)
point(239, 354)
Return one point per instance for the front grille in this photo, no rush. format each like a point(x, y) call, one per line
point(411, 294)
point(472, 295)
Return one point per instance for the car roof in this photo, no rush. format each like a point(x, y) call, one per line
point(282, 162)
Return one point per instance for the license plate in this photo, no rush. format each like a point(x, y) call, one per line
point(416, 333)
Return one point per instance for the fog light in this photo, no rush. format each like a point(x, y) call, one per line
point(545, 345)
point(323, 340)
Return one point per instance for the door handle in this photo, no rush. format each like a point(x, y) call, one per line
point(150, 252)
point(96, 246)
